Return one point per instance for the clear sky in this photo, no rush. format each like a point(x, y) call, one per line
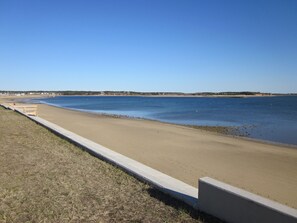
point(149, 45)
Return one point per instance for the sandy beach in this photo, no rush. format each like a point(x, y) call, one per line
point(188, 154)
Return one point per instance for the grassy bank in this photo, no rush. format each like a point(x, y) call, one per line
point(44, 178)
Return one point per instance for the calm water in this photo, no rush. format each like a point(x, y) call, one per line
point(268, 118)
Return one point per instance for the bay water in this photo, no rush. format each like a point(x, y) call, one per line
point(266, 118)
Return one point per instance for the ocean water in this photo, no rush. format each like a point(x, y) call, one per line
point(266, 118)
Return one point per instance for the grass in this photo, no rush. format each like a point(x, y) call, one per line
point(44, 178)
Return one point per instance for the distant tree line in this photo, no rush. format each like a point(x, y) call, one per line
point(134, 93)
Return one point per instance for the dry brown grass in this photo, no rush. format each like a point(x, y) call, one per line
point(44, 178)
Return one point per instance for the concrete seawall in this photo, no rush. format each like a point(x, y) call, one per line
point(235, 205)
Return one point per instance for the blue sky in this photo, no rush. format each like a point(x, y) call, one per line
point(149, 45)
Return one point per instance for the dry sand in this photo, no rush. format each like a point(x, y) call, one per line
point(188, 154)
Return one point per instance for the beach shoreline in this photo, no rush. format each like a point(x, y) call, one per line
point(228, 131)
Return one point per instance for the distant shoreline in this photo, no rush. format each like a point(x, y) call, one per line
point(176, 96)
point(240, 94)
